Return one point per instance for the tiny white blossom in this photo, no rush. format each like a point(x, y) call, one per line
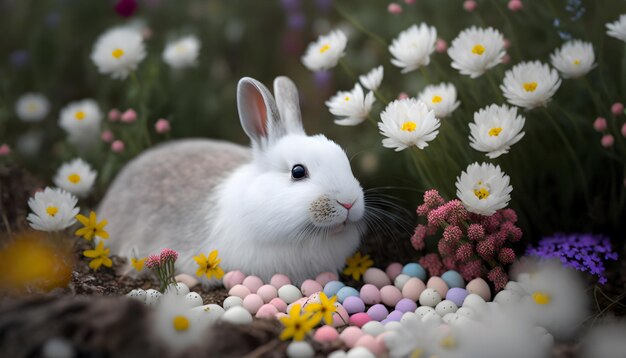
point(52, 210)
point(408, 122)
point(413, 47)
point(32, 107)
point(325, 53)
point(177, 325)
point(77, 177)
point(483, 188)
point(440, 98)
point(530, 84)
point(81, 120)
point(372, 79)
point(352, 107)
point(118, 51)
point(496, 129)
point(617, 28)
point(574, 59)
point(476, 50)
point(182, 52)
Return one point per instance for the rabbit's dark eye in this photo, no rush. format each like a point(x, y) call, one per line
point(298, 172)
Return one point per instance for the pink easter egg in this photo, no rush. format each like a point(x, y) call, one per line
point(393, 270)
point(369, 342)
point(326, 277)
point(370, 294)
point(280, 315)
point(279, 280)
point(390, 295)
point(252, 303)
point(280, 305)
point(359, 319)
point(380, 342)
point(253, 283)
point(340, 317)
point(240, 291)
point(376, 277)
point(479, 287)
point(438, 285)
point(233, 278)
point(267, 311)
point(267, 293)
point(300, 301)
point(351, 335)
point(413, 289)
point(310, 287)
point(326, 334)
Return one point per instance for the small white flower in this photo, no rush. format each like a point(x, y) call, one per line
point(324, 53)
point(496, 129)
point(77, 177)
point(32, 107)
point(483, 188)
point(414, 335)
point(407, 122)
point(530, 84)
point(182, 52)
point(574, 59)
point(81, 120)
point(476, 50)
point(372, 79)
point(413, 47)
point(118, 52)
point(440, 98)
point(176, 324)
point(617, 28)
point(354, 106)
point(53, 210)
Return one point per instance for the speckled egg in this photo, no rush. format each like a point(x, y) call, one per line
point(474, 301)
point(300, 350)
point(351, 335)
point(457, 295)
point(378, 312)
point(289, 293)
point(390, 295)
point(300, 301)
point(438, 284)
point(211, 312)
point(376, 277)
point(193, 299)
point(353, 304)
point(466, 312)
point(138, 294)
point(252, 303)
point(407, 316)
point(152, 297)
point(414, 270)
point(326, 277)
point(446, 306)
point(453, 279)
point(326, 334)
point(332, 288)
point(401, 280)
point(178, 288)
point(340, 317)
point(359, 319)
point(393, 270)
point(232, 301)
point(430, 297)
point(506, 297)
point(267, 293)
point(280, 305)
point(233, 278)
point(479, 287)
point(252, 283)
point(433, 317)
point(370, 294)
point(373, 328)
point(421, 311)
point(279, 280)
point(413, 288)
point(237, 315)
point(310, 287)
point(346, 292)
point(266, 311)
point(240, 291)
point(406, 305)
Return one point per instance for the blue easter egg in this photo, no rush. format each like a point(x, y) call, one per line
point(414, 270)
point(453, 279)
point(332, 288)
point(346, 292)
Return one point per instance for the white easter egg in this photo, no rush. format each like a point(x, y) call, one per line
point(211, 312)
point(474, 301)
point(466, 312)
point(401, 280)
point(179, 288)
point(446, 306)
point(407, 316)
point(421, 311)
point(232, 301)
point(289, 293)
point(516, 287)
point(138, 294)
point(506, 297)
point(449, 317)
point(152, 297)
point(430, 297)
point(432, 317)
point(300, 350)
point(373, 328)
point(360, 352)
point(338, 354)
point(393, 325)
point(193, 299)
point(237, 315)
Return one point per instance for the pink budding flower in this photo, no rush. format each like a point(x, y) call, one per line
point(162, 126)
point(600, 124)
point(5, 150)
point(129, 116)
point(607, 141)
point(515, 5)
point(469, 5)
point(114, 115)
point(107, 136)
point(441, 45)
point(394, 8)
point(117, 146)
point(624, 130)
point(617, 108)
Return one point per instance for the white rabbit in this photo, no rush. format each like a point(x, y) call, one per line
point(289, 205)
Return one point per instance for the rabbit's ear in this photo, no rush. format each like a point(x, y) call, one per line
point(257, 112)
point(288, 104)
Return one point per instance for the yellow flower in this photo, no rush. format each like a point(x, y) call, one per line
point(91, 227)
point(100, 256)
point(209, 266)
point(323, 310)
point(357, 265)
point(297, 325)
point(137, 263)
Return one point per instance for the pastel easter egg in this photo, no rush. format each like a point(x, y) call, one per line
point(515, 286)
point(326, 277)
point(373, 328)
point(359, 319)
point(430, 297)
point(338, 354)
point(300, 349)
point(346, 292)
point(392, 326)
point(506, 297)
point(407, 316)
point(446, 306)
point(467, 312)
point(380, 342)
point(280, 315)
point(433, 317)
point(438, 284)
point(360, 352)
point(453, 279)
point(393, 270)
point(394, 316)
point(252, 303)
point(310, 287)
point(280, 305)
point(378, 312)
point(353, 304)
point(475, 301)
point(302, 301)
point(211, 312)
point(240, 291)
point(237, 315)
point(370, 294)
point(279, 280)
point(253, 283)
point(369, 342)
point(376, 277)
point(414, 270)
point(421, 311)
point(233, 278)
point(266, 311)
point(138, 294)
point(351, 335)
point(479, 287)
point(178, 288)
point(152, 297)
point(340, 317)
point(326, 334)
point(289, 293)
point(267, 293)
point(193, 299)
point(232, 301)
point(390, 295)
point(332, 288)
point(457, 295)
point(413, 288)
point(406, 305)
point(401, 280)
point(448, 318)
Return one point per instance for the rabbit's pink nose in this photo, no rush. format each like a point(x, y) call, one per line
point(345, 205)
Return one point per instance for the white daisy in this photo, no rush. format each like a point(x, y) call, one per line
point(182, 52)
point(53, 210)
point(483, 188)
point(352, 107)
point(415, 338)
point(476, 50)
point(496, 129)
point(617, 28)
point(81, 118)
point(372, 79)
point(530, 84)
point(413, 47)
point(440, 98)
point(77, 177)
point(32, 107)
point(408, 122)
point(324, 53)
point(176, 324)
point(118, 52)
point(574, 59)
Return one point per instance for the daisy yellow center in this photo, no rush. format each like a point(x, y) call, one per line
point(32, 107)
point(117, 53)
point(481, 193)
point(541, 298)
point(577, 62)
point(180, 323)
point(409, 126)
point(448, 342)
point(324, 48)
point(79, 115)
point(478, 49)
point(495, 131)
point(73, 178)
point(52, 210)
point(530, 86)
point(417, 353)
point(181, 48)
point(436, 99)
point(347, 98)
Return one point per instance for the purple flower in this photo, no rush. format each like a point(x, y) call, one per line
point(126, 8)
point(19, 58)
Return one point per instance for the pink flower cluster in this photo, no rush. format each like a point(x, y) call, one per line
point(163, 266)
point(474, 245)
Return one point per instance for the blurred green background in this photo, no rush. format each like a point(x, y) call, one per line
point(46, 45)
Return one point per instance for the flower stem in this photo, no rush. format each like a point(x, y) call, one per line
point(358, 25)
